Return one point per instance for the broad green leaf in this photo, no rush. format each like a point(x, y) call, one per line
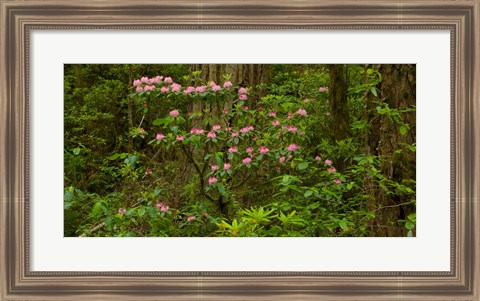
point(343, 224)
point(374, 91)
point(409, 225)
point(76, 151)
point(303, 165)
point(403, 130)
point(308, 193)
point(97, 209)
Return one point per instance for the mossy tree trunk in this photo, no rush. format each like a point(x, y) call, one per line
point(387, 140)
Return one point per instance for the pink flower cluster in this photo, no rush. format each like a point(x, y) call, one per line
point(122, 210)
point(247, 129)
point(174, 113)
point(243, 94)
point(211, 135)
point(149, 84)
point(263, 150)
point(246, 161)
point(212, 180)
point(216, 127)
point(323, 89)
point(196, 131)
point(290, 128)
point(292, 147)
point(302, 112)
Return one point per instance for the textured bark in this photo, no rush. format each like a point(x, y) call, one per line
point(338, 96)
point(398, 90)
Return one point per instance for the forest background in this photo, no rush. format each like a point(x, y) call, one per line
point(239, 150)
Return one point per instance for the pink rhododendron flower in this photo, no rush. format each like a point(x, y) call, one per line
point(159, 204)
point(323, 89)
point(289, 115)
point(328, 162)
point(246, 161)
point(189, 90)
point(176, 87)
point(144, 79)
point(137, 82)
point(263, 150)
point(246, 129)
point(156, 79)
point(174, 113)
point(122, 210)
point(164, 208)
point(317, 158)
point(191, 218)
point(242, 91)
point(226, 166)
point(216, 88)
point(302, 112)
point(228, 128)
point(216, 127)
point(139, 89)
point(235, 134)
point(168, 80)
point(211, 135)
point(282, 159)
point(165, 89)
point(212, 84)
point(159, 136)
point(212, 180)
point(148, 172)
point(243, 96)
point(149, 88)
point(290, 128)
point(196, 131)
point(272, 114)
point(227, 84)
point(337, 181)
point(332, 169)
point(249, 149)
point(292, 147)
point(180, 138)
point(201, 89)
point(232, 150)
point(275, 123)
point(214, 167)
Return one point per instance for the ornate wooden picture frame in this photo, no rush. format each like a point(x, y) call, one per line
point(19, 18)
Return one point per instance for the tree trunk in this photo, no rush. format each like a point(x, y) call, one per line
point(339, 102)
point(397, 90)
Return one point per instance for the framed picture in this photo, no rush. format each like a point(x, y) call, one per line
point(46, 48)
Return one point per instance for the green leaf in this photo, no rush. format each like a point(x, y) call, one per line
point(303, 165)
point(222, 190)
point(76, 151)
point(403, 130)
point(374, 91)
point(409, 225)
point(410, 233)
point(343, 224)
point(308, 193)
point(97, 209)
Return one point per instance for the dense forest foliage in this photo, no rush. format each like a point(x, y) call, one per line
point(239, 150)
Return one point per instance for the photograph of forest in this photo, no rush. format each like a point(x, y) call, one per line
point(239, 150)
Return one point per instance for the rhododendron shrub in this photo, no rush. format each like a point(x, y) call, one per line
point(236, 149)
